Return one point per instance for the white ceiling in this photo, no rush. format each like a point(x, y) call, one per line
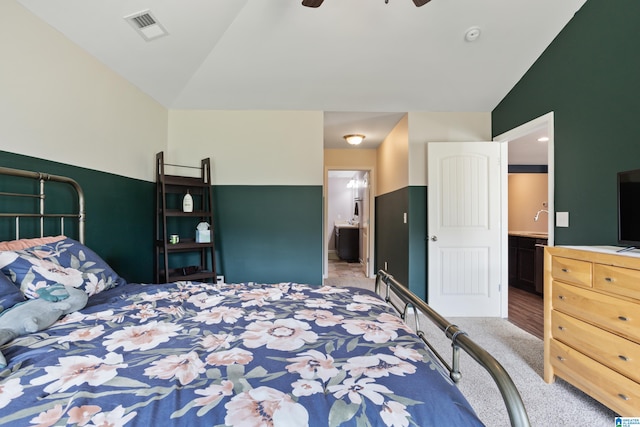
point(527, 150)
point(347, 56)
point(375, 127)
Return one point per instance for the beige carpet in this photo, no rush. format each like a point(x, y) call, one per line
point(521, 354)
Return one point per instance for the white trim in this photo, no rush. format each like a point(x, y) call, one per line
point(518, 132)
point(325, 214)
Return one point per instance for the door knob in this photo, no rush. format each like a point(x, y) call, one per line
point(434, 238)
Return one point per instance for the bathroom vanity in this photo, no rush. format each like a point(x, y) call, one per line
point(346, 241)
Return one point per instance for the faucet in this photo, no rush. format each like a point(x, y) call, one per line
point(535, 218)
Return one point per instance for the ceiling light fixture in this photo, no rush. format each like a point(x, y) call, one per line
point(354, 138)
point(543, 139)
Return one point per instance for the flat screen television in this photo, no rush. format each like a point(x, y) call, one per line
point(629, 208)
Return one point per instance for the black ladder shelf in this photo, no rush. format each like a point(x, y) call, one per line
point(187, 259)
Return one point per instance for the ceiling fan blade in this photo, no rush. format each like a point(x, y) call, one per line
point(314, 3)
point(419, 3)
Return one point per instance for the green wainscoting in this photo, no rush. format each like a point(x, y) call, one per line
point(119, 213)
point(403, 246)
point(263, 233)
point(588, 76)
point(269, 234)
point(418, 249)
point(392, 234)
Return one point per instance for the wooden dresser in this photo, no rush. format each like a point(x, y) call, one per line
point(592, 323)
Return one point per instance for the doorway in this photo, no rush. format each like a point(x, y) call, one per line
point(347, 230)
point(528, 153)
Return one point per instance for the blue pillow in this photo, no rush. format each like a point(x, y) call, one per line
point(65, 262)
point(10, 294)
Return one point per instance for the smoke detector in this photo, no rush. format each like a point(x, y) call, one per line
point(472, 34)
point(146, 25)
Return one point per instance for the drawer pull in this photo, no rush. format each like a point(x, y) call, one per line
point(623, 396)
point(608, 279)
point(623, 358)
point(560, 358)
point(565, 270)
point(561, 297)
point(561, 328)
point(623, 318)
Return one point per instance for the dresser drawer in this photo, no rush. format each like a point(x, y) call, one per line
point(617, 280)
point(609, 349)
point(572, 271)
point(609, 387)
point(616, 315)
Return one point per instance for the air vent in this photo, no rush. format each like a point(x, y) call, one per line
point(146, 25)
point(144, 20)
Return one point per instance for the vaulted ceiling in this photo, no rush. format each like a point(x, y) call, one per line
point(358, 56)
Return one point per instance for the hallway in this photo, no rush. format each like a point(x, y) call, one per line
point(338, 268)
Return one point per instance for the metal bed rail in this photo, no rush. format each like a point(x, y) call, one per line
point(459, 340)
point(42, 177)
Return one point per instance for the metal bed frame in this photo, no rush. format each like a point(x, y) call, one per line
point(40, 194)
point(459, 340)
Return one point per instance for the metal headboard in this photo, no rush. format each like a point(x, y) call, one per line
point(459, 340)
point(41, 215)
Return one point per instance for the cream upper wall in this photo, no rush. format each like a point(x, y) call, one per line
point(59, 103)
point(425, 127)
point(350, 159)
point(393, 159)
point(250, 147)
point(528, 193)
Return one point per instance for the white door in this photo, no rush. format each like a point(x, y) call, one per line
point(464, 228)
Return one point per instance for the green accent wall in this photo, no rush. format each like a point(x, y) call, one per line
point(589, 78)
point(263, 234)
point(403, 246)
point(269, 234)
point(418, 281)
point(392, 235)
point(119, 213)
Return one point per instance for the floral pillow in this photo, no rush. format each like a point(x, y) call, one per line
point(15, 245)
point(10, 294)
point(65, 261)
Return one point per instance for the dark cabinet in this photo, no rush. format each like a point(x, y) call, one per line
point(347, 239)
point(513, 259)
point(526, 263)
point(525, 258)
point(539, 268)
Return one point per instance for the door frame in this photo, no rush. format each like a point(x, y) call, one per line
point(524, 129)
point(325, 217)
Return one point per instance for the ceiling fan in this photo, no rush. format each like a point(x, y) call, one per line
point(316, 3)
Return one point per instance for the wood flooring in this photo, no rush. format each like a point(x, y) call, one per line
point(526, 311)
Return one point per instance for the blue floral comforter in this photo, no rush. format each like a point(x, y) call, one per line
point(193, 354)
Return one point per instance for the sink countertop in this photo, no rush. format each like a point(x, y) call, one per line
point(345, 224)
point(534, 234)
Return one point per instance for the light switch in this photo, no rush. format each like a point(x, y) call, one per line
point(562, 219)
point(405, 217)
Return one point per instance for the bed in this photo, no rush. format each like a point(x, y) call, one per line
point(218, 354)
